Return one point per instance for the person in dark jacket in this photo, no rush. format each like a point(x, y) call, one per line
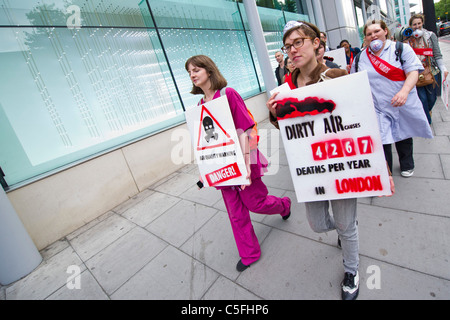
point(281, 70)
point(350, 53)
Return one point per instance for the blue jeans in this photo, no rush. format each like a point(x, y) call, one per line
point(343, 221)
point(428, 95)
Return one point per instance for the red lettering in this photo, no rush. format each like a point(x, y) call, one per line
point(224, 174)
point(360, 184)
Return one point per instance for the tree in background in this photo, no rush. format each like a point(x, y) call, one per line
point(442, 9)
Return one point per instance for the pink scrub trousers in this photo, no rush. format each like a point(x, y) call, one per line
point(253, 198)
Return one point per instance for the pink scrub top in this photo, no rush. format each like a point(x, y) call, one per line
point(243, 122)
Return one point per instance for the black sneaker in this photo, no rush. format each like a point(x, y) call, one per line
point(289, 214)
point(350, 286)
point(241, 267)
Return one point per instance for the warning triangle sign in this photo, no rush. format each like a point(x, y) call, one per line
point(211, 134)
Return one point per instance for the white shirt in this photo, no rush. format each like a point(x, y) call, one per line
point(396, 123)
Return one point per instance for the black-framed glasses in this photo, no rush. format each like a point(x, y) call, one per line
point(298, 43)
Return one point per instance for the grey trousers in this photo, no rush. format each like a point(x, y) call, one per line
point(343, 220)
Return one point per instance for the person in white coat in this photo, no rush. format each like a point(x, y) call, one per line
point(393, 84)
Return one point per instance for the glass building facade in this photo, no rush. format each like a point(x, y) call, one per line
point(80, 78)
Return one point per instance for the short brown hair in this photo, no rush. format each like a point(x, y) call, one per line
point(201, 61)
point(382, 24)
point(308, 29)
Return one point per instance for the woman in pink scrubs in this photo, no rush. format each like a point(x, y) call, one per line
point(239, 200)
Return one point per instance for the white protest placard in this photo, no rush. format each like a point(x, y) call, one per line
point(216, 144)
point(338, 56)
point(283, 88)
point(332, 140)
point(444, 93)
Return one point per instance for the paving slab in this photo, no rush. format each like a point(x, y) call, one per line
point(421, 195)
point(101, 235)
point(89, 290)
point(293, 267)
point(214, 244)
point(112, 268)
point(178, 184)
point(47, 278)
point(407, 239)
point(445, 160)
point(171, 275)
point(150, 208)
point(181, 221)
point(225, 289)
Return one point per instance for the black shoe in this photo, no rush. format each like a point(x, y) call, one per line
point(241, 267)
point(350, 286)
point(289, 214)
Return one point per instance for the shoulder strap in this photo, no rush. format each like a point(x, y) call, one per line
point(357, 61)
point(323, 76)
point(398, 51)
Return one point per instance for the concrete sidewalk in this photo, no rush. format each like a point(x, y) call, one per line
point(173, 241)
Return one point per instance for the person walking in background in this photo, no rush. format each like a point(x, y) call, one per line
point(325, 60)
point(350, 53)
point(239, 200)
point(323, 37)
point(281, 70)
point(290, 67)
point(397, 105)
point(426, 45)
point(301, 42)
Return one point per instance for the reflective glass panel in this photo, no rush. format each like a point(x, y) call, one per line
point(71, 93)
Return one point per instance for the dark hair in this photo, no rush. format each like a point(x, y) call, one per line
point(342, 41)
point(201, 61)
point(322, 44)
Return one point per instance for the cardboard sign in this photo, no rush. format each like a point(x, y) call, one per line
point(216, 144)
point(338, 56)
point(332, 140)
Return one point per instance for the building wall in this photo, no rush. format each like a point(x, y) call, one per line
point(338, 20)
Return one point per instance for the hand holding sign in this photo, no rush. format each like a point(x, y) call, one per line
point(216, 144)
point(332, 141)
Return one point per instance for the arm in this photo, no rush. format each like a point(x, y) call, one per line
point(245, 147)
point(438, 55)
point(271, 104)
point(400, 98)
point(391, 179)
